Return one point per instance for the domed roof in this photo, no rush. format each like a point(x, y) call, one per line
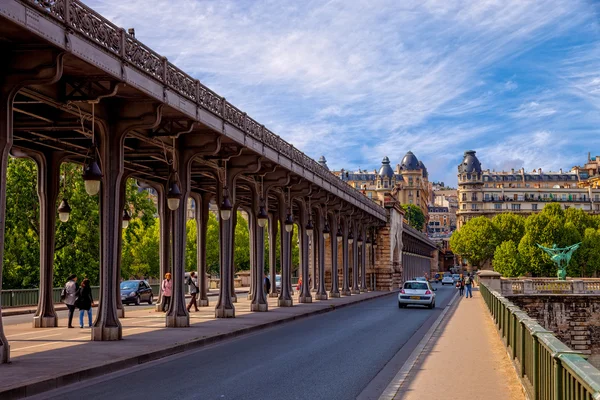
point(470, 163)
point(386, 170)
point(424, 169)
point(409, 162)
point(323, 162)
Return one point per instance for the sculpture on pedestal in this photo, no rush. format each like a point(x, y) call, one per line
point(561, 257)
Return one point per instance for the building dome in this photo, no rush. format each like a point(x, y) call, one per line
point(470, 163)
point(386, 170)
point(323, 162)
point(424, 169)
point(409, 162)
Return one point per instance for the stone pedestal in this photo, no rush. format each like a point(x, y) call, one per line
point(285, 302)
point(305, 299)
point(120, 313)
point(346, 293)
point(259, 307)
point(224, 313)
point(334, 294)
point(106, 333)
point(321, 296)
point(45, 322)
point(355, 291)
point(182, 321)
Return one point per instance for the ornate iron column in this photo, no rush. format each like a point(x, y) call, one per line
point(273, 218)
point(321, 293)
point(285, 298)
point(251, 232)
point(335, 292)
point(165, 216)
point(363, 266)
point(120, 309)
point(257, 254)
point(225, 307)
point(304, 296)
point(48, 165)
point(355, 266)
point(234, 226)
point(345, 278)
point(202, 209)
point(315, 254)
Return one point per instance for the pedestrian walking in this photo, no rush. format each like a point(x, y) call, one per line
point(85, 302)
point(193, 284)
point(267, 284)
point(167, 289)
point(299, 286)
point(69, 296)
point(461, 286)
point(468, 282)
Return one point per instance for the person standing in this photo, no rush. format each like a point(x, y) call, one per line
point(167, 289)
point(85, 302)
point(193, 284)
point(71, 296)
point(461, 286)
point(267, 284)
point(468, 282)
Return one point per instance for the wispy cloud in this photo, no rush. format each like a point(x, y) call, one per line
point(357, 80)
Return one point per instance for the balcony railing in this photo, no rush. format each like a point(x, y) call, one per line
point(511, 287)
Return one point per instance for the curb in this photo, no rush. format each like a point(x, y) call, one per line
point(10, 312)
point(34, 388)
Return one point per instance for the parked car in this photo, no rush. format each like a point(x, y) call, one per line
point(447, 280)
point(417, 293)
point(278, 283)
point(455, 277)
point(420, 278)
point(134, 292)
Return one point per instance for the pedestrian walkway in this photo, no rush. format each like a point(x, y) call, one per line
point(464, 359)
point(43, 359)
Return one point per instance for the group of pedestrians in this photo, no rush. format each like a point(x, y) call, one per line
point(464, 285)
point(79, 297)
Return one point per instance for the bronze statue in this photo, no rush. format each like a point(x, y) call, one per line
point(561, 257)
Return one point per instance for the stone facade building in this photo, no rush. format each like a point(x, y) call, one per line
point(487, 193)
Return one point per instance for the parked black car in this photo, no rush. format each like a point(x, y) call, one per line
point(134, 292)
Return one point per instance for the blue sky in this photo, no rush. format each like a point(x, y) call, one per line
point(355, 80)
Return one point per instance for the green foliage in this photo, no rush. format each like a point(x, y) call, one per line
point(414, 215)
point(515, 241)
point(476, 240)
point(507, 260)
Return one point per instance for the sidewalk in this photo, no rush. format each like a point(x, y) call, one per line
point(464, 359)
point(9, 312)
point(44, 359)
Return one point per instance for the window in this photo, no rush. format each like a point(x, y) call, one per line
point(474, 197)
point(564, 197)
point(464, 206)
point(385, 183)
point(597, 197)
point(464, 197)
point(417, 193)
point(534, 207)
point(410, 181)
point(486, 197)
point(497, 206)
point(515, 207)
point(473, 206)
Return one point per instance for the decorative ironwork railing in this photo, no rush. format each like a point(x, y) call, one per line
point(542, 286)
point(103, 33)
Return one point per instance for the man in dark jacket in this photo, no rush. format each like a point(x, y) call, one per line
point(267, 284)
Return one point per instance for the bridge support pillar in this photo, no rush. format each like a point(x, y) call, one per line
point(346, 268)
point(165, 218)
point(202, 209)
point(320, 250)
point(334, 292)
point(355, 266)
point(120, 308)
point(257, 254)
point(304, 239)
point(285, 298)
point(273, 221)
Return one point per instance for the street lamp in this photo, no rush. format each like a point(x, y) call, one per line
point(126, 218)
point(226, 206)
point(310, 228)
point(350, 238)
point(375, 242)
point(64, 211)
point(262, 216)
point(359, 241)
point(326, 231)
point(92, 176)
point(173, 193)
point(289, 222)
point(339, 235)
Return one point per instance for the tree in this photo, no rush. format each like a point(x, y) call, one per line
point(507, 260)
point(141, 247)
point(475, 240)
point(508, 226)
point(414, 215)
point(589, 253)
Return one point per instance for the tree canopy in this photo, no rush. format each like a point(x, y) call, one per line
point(414, 215)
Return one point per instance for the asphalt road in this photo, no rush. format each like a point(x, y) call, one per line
point(328, 356)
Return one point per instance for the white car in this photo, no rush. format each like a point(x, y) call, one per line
point(447, 279)
point(418, 293)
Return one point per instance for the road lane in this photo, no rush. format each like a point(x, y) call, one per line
point(328, 356)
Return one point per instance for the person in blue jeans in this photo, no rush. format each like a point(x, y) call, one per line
point(85, 302)
point(468, 284)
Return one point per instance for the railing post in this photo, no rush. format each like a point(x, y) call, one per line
point(67, 15)
point(556, 369)
point(578, 287)
point(535, 379)
point(527, 286)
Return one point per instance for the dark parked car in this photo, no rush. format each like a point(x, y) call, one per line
point(135, 292)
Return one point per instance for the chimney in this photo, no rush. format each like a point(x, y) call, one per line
point(131, 31)
point(561, 171)
point(512, 170)
point(589, 156)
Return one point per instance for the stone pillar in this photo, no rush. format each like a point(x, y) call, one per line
point(257, 256)
point(320, 245)
point(202, 210)
point(252, 230)
point(178, 315)
point(314, 257)
point(346, 268)
point(335, 292)
point(48, 165)
point(225, 307)
point(285, 298)
point(273, 218)
point(355, 266)
point(304, 296)
point(165, 217)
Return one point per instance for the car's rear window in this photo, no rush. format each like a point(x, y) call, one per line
point(415, 285)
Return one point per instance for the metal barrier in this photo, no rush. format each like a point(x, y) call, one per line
point(30, 297)
point(549, 369)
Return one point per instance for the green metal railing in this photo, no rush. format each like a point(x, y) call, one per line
point(30, 297)
point(549, 369)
